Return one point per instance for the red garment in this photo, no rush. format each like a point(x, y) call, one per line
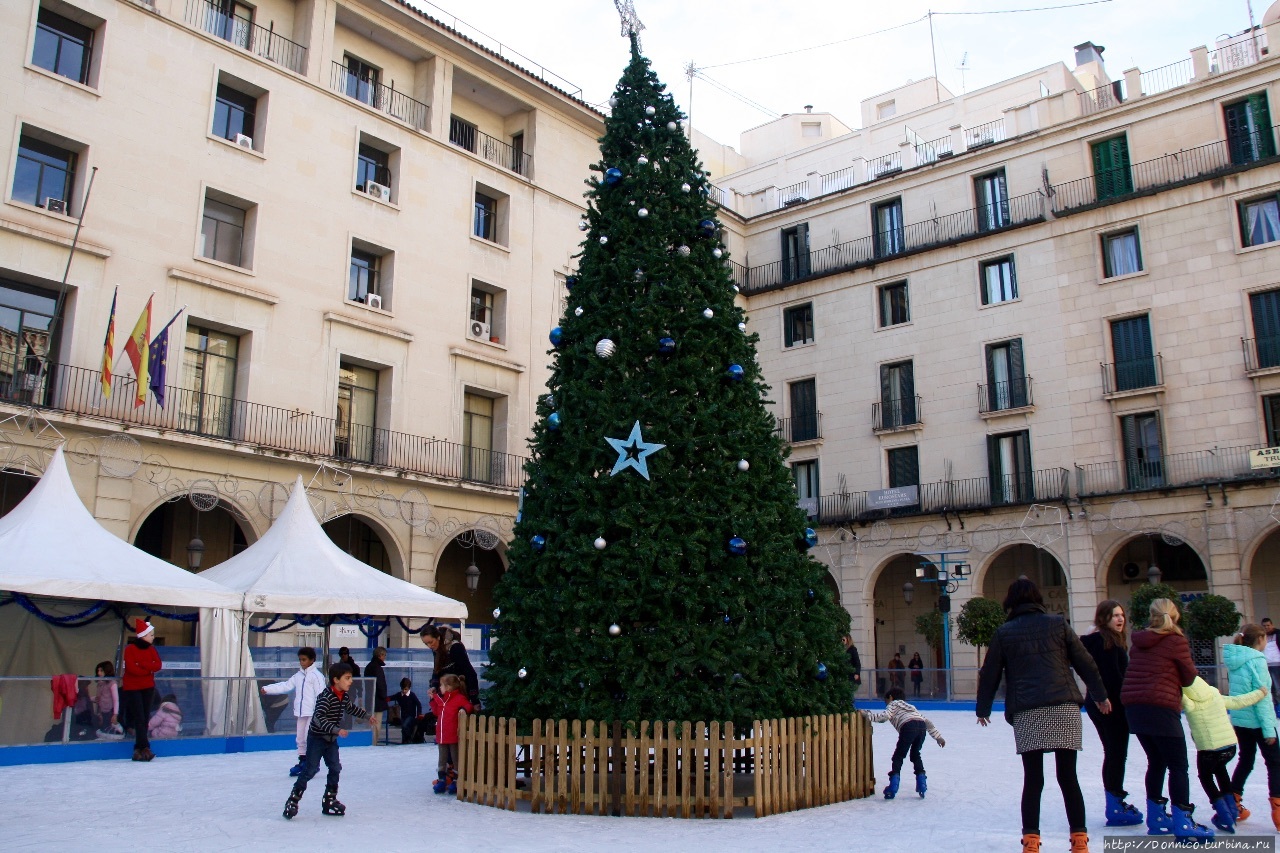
point(446, 708)
point(65, 692)
point(1160, 666)
point(141, 663)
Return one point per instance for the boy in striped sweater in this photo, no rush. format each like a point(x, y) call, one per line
point(912, 727)
point(322, 741)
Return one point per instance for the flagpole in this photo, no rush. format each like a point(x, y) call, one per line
point(66, 272)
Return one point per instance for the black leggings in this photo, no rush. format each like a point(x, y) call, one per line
point(1167, 754)
point(1033, 787)
point(1113, 731)
point(136, 705)
point(1211, 767)
point(1252, 742)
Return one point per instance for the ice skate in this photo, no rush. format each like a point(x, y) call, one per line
point(1275, 812)
point(922, 784)
point(1031, 843)
point(329, 804)
point(1224, 817)
point(1158, 820)
point(1120, 813)
point(1241, 812)
point(291, 804)
point(891, 790)
point(137, 755)
point(1079, 842)
point(296, 770)
point(441, 785)
point(451, 778)
point(1185, 827)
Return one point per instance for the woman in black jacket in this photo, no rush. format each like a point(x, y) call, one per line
point(451, 659)
point(1110, 652)
point(1035, 652)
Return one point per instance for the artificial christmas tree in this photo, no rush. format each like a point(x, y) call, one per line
point(660, 568)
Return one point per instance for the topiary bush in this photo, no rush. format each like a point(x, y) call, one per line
point(1211, 616)
point(978, 622)
point(1140, 603)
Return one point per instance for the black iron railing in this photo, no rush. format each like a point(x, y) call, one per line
point(1049, 485)
point(215, 19)
point(1167, 77)
point(1195, 468)
point(1261, 353)
point(803, 428)
point(1102, 98)
point(896, 414)
point(1010, 394)
point(78, 390)
point(369, 91)
point(879, 167)
point(1202, 163)
point(870, 250)
point(1133, 374)
point(466, 135)
point(932, 151)
point(985, 134)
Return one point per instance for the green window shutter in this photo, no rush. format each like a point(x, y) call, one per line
point(1131, 341)
point(1111, 168)
point(789, 326)
point(904, 467)
point(994, 471)
point(1022, 455)
point(908, 392)
point(1017, 375)
point(1261, 115)
point(1266, 326)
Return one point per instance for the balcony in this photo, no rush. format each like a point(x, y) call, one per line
point(893, 415)
point(369, 91)
point(873, 249)
point(1134, 375)
point(1049, 485)
point(1002, 397)
point(78, 391)
point(984, 134)
point(1196, 468)
point(1260, 354)
point(467, 136)
point(795, 430)
point(246, 35)
point(1192, 165)
point(1102, 98)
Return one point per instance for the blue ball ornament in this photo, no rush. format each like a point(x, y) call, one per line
point(538, 541)
point(570, 282)
point(738, 546)
point(666, 346)
point(707, 228)
point(810, 537)
point(556, 336)
point(553, 421)
point(735, 372)
point(821, 674)
point(612, 176)
point(727, 619)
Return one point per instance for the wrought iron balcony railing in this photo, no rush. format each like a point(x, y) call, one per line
point(382, 98)
point(1102, 98)
point(1195, 468)
point(466, 135)
point(1133, 375)
point(896, 414)
point(1011, 394)
point(78, 391)
point(214, 19)
point(803, 428)
point(1049, 485)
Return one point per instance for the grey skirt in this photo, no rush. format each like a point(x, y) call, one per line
point(1048, 728)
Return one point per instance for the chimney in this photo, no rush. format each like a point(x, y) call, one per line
point(808, 108)
point(1088, 52)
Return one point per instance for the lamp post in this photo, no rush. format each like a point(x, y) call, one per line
point(946, 569)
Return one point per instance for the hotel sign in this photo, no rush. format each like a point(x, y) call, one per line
point(905, 496)
point(1268, 457)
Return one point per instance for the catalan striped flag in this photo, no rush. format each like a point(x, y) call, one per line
point(138, 350)
point(109, 347)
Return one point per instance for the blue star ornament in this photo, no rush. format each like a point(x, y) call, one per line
point(633, 452)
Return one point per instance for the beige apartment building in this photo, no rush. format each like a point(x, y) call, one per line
point(362, 220)
point(1037, 323)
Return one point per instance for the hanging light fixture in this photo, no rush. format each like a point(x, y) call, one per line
point(195, 553)
point(908, 592)
point(473, 575)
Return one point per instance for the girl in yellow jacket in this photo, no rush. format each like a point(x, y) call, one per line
point(1215, 741)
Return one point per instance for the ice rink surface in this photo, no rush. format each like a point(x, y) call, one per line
point(234, 802)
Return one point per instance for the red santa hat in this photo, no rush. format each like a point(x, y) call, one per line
point(143, 628)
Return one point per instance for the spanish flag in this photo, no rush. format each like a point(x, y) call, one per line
point(109, 347)
point(138, 350)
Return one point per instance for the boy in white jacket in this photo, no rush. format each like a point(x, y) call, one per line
point(306, 685)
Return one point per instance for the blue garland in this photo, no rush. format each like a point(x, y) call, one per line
point(180, 617)
point(405, 626)
point(77, 620)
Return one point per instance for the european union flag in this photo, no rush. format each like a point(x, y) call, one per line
point(158, 355)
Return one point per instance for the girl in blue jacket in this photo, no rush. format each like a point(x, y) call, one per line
point(1255, 725)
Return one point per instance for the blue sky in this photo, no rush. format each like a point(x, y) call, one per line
point(580, 42)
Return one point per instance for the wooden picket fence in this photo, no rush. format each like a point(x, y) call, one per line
point(690, 770)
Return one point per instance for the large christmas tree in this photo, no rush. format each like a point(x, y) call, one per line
point(660, 568)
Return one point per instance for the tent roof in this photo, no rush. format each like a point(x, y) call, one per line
point(295, 568)
point(50, 545)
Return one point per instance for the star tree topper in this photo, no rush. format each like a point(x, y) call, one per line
point(633, 452)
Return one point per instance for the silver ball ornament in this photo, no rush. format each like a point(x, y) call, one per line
point(683, 251)
point(742, 327)
point(522, 672)
point(650, 111)
point(642, 160)
point(642, 212)
point(708, 313)
point(744, 465)
point(613, 100)
point(582, 225)
point(684, 188)
point(717, 253)
point(497, 612)
point(600, 543)
point(671, 125)
point(603, 240)
point(577, 312)
point(605, 348)
point(736, 289)
point(615, 629)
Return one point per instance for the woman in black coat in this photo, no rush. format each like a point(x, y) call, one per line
point(1110, 651)
point(451, 659)
point(1035, 652)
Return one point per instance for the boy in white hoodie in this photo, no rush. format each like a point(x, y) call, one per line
point(306, 685)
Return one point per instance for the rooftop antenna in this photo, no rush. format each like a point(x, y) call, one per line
point(631, 24)
point(962, 68)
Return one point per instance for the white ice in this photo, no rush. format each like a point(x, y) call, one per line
point(234, 802)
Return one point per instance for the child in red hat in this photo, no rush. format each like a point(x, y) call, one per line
point(138, 685)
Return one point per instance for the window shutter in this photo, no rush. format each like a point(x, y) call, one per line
point(1022, 453)
point(1131, 342)
point(789, 326)
point(1261, 115)
point(908, 392)
point(802, 244)
point(1017, 375)
point(993, 393)
point(994, 472)
point(886, 393)
point(904, 467)
point(1266, 326)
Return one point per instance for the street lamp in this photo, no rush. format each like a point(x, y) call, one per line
point(473, 576)
point(946, 569)
point(195, 553)
point(1153, 574)
point(908, 592)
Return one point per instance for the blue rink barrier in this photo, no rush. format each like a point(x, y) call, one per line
point(61, 753)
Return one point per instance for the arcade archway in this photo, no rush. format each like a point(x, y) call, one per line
point(895, 618)
point(1179, 564)
point(14, 486)
point(1264, 577)
point(361, 540)
point(451, 574)
point(1038, 565)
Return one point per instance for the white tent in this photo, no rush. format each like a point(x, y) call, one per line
point(296, 568)
point(51, 546)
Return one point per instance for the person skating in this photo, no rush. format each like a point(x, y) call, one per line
point(322, 742)
point(912, 727)
point(1256, 725)
point(306, 685)
point(138, 685)
point(1215, 742)
point(410, 711)
point(447, 703)
point(1109, 648)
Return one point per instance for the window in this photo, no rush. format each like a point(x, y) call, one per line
point(1121, 254)
point(481, 306)
point(62, 46)
point(462, 133)
point(372, 166)
point(1143, 458)
point(795, 252)
point(1271, 412)
point(487, 314)
point(1006, 376)
point(363, 279)
point(999, 281)
point(1265, 308)
point(234, 113)
point(1249, 134)
point(222, 233)
point(26, 322)
point(797, 325)
point(887, 220)
point(477, 437)
point(806, 479)
point(1135, 365)
point(887, 109)
point(897, 395)
point(904, 466)
point(357, 412)
point(517, 153)
point(993, 201)
point(811, 129)
point(228, 20)
point(804, 410)
point(208, 381)
point(361, 81)
point(45, 172)
point(1111, 176)
point(895, 307)
point(1009, 467)
point(486, 220)
point(1260, 221)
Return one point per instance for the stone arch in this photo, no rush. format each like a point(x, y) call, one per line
point(454, 559)
point(369, 540)
point(244, 518)
point(14, 486)
point(893, 618)
point(1041, 565)
point(1182, 566)
point(1260, 575)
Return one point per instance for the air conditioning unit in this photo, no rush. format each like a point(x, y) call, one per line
point(1134, 571)
point(55, 205)
point(479, 330)
point(378, 191)
point(244, 141)
point(373, 301)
